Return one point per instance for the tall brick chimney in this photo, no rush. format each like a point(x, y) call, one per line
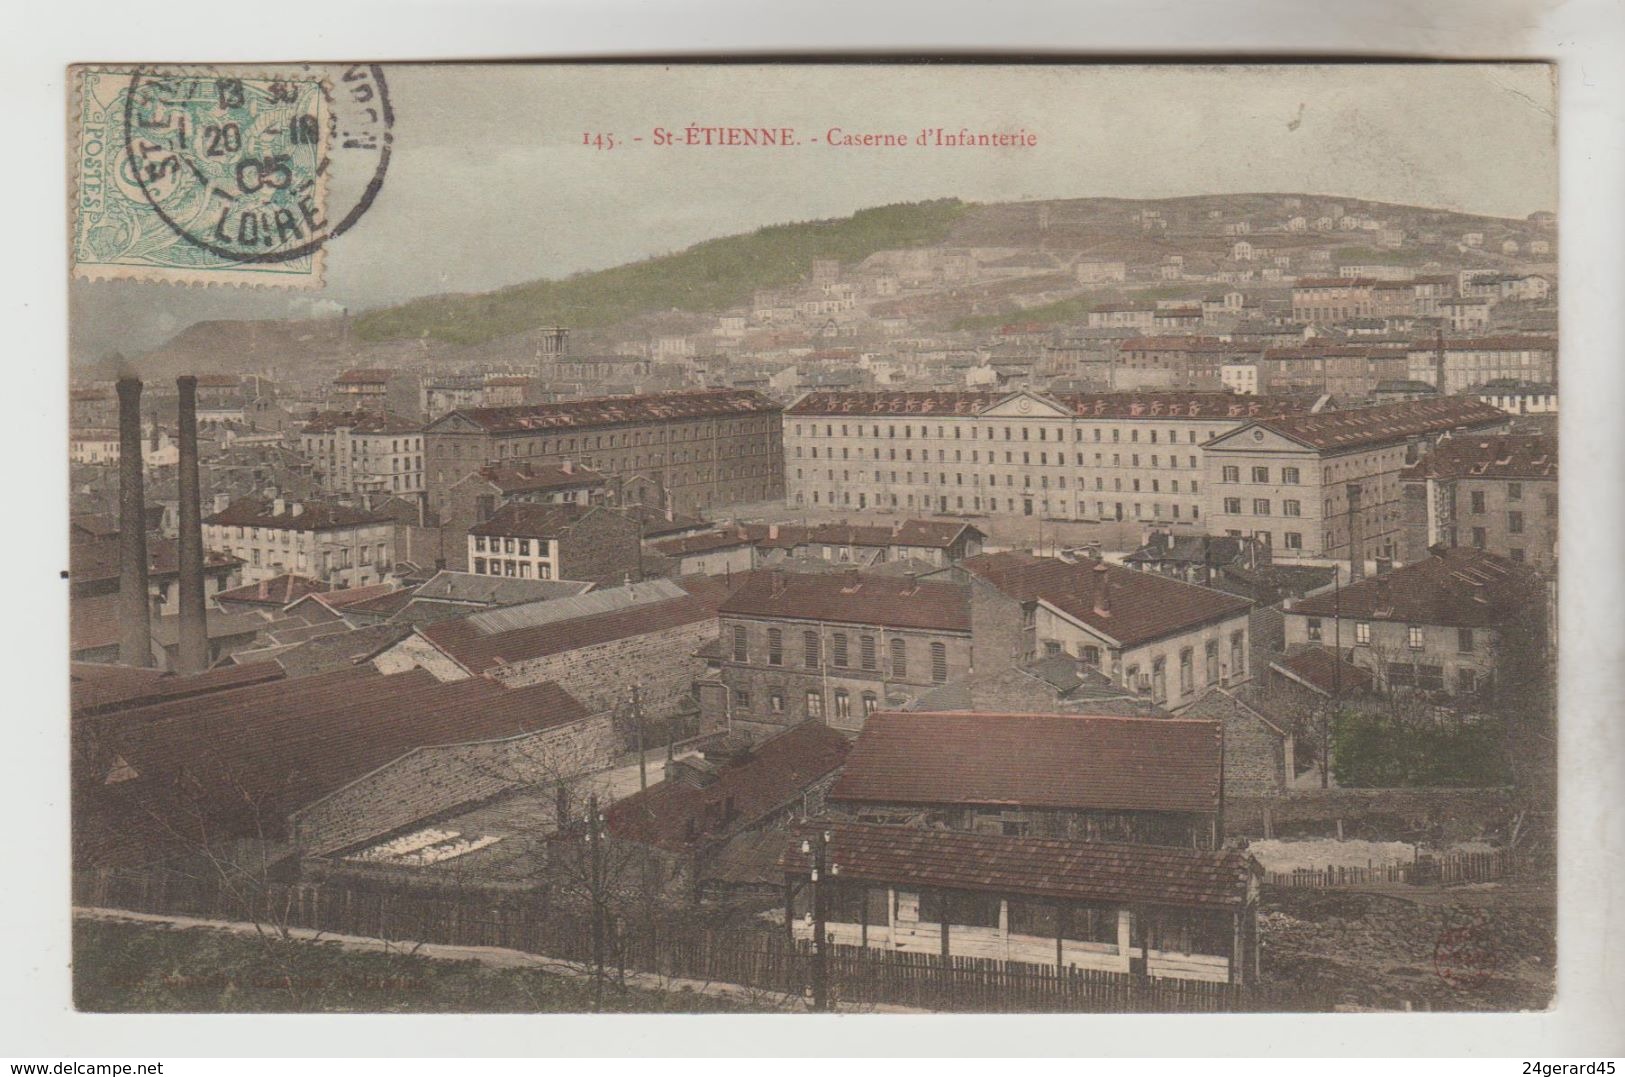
point(194, 636)
point(135, 626)
point(1103, 600)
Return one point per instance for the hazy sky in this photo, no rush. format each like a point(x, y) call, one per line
point(490, 184)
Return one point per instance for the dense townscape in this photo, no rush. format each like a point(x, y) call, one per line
point(1095, 605)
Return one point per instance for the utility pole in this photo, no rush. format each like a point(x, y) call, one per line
point(1337, 681)
point(595, 845)
point(818, 846)
point(637, 724)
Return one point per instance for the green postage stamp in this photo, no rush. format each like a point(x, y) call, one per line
point(200, 176)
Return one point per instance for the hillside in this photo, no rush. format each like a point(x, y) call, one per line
point(709, 276)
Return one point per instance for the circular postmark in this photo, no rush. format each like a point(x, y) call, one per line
point(1464, 954)
point(239, 166)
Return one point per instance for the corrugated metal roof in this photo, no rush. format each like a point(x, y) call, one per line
point(549, 611)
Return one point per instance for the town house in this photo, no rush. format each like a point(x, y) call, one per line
point(1453, 623)
point(836, 647)
point(1154, 635)
point(1329, 484)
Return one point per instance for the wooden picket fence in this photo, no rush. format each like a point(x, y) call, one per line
point(759, 957)
point(1447, 870)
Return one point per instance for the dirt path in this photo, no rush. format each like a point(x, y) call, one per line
point(497, 957)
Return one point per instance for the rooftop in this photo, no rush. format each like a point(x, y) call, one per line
point(1122, 604)
point(853, 598)
point(518, 633)
point(527, 477)
point(677, 815)
point(254, 754)
point(1498, 456)
point(97, 688)
point(610, 411)
point(97, 559)
point(277, 591)
point(1061, 761)
point(294, 515)
point(360, 422)
point(1184, 405)
point(1032, 867)
point(531, 521)
point(477, 590)
point(1383, 423)
point(1320, 671)
point(1463, 587)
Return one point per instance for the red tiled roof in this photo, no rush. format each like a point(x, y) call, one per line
point(774, 775)
point(312, 515)
point(683, 545)
point(938, 534)
point(1358, 427)
point(1319, 669)
point(1462, 587)
point(1335, 282)
point(364, 376)
point(360, 422)
point(283, 744)
point(91, 559)
point(528, 477)
point(1139, 606)
point(1497, 456)
point(1035, 761)
point(1036, 867)
point(477, 652)
point(1480, 344)
point(613, 410)
point(98, 688)
point(531, 521)
point(1176, 344)
point(355, 596)
point(1183, 405)
point(853, 598)
point(276, 591)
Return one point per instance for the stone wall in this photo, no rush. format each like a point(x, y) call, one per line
point(603, 547)
point(661, 664)
point(1375, 814)
point(432, 780)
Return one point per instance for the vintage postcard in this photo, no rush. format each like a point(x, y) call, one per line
point(885, 538)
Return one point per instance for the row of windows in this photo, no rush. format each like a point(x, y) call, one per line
point(1260, 474)
point(1027, 506)
point(521, 570)
point(1477, 505)
point(814, 700)
point(1009, 458)
point(658, 436)
point(1261, 507)
point(364, 442)
point(1157, 680)
point(993, 480)
point(520, 546)
point(1414, 637)
point(840, 657)
point(1026, 432)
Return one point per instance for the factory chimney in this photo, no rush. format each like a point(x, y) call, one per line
point(135, 627)
point(194, 635)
